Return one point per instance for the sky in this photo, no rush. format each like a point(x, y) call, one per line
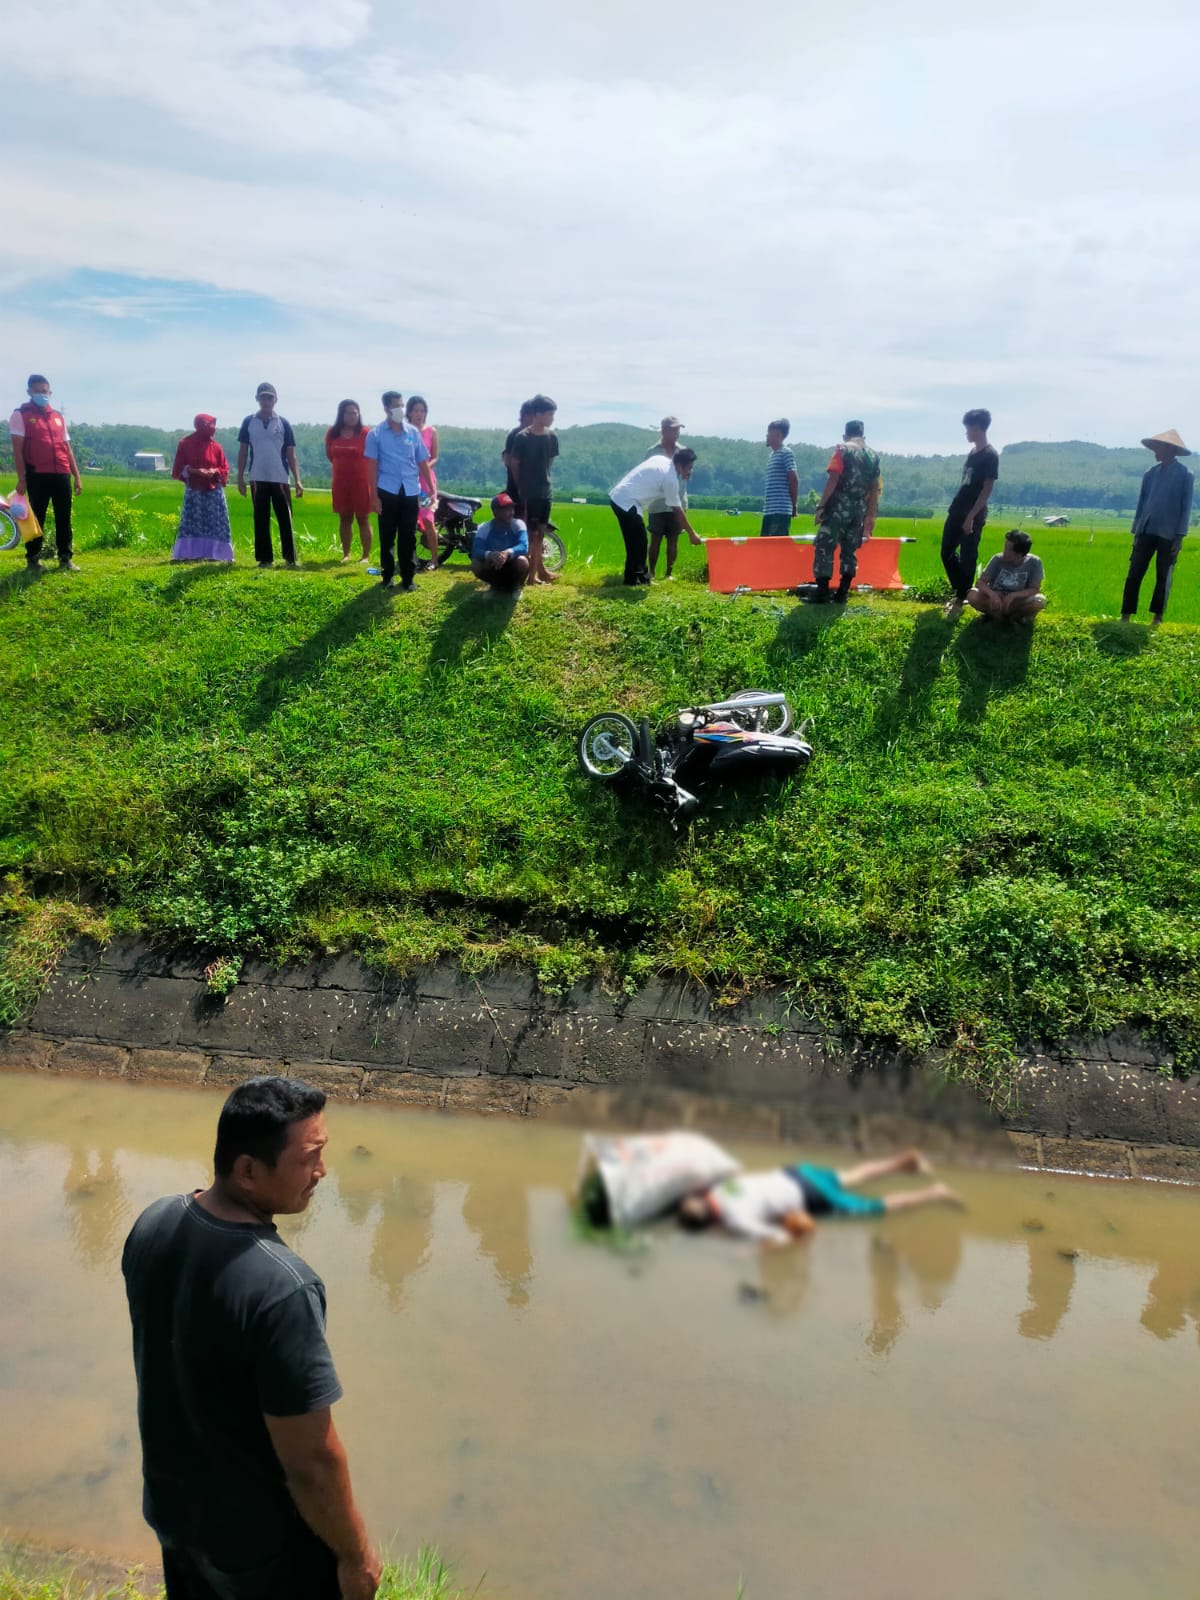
point(729, 212)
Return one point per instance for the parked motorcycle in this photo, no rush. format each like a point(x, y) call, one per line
point(454, 519)
point(702, 745)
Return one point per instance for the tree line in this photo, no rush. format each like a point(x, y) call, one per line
point(729, 472)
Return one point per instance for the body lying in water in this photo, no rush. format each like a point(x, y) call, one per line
point(783, 1204)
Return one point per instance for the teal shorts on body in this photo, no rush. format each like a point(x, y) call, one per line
point(824, 1195)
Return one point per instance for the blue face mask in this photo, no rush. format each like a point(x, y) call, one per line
point(40, 399)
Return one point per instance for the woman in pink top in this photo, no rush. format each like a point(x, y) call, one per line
point(417, 411)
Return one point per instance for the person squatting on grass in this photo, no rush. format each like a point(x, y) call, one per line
point(968, 511)
point(500, 549)
point(845, 513)
point(267, 443)
point(783, 484)
point(200, 465)
point(246, 1482)
point(1160, 524)
point(1009, 587)
point(531, 460)
point(660, 518)
point(657, 479)
point(351, 490)
point(46, 468)
point(778, 1206)
point(396, 472)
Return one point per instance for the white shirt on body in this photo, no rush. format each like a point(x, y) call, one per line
point(752, 1203)
point(653, 480)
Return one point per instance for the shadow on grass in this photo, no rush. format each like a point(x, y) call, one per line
point(1121, 639)
point(474, 616)
point(19, 578)
point(992, 658)
point(909, 704)
point(614, 587)
point(184, 575)
point(293, 668)
point(801, 630)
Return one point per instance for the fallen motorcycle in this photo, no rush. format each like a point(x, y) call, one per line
point(748, 734)
point(454, 519)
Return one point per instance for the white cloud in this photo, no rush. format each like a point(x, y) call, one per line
point(820, 211)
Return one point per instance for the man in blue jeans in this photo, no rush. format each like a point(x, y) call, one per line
point(397, 475)
point(1160, 522)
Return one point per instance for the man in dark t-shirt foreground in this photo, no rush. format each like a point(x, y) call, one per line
point(968, 511)
point(246, 1482)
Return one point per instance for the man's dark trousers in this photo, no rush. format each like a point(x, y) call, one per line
point(397, 520)
point(633, 531)
point(1146, 548)
point(264, 496)
point(960, 554)
point(308, 1571)
point(46, 489)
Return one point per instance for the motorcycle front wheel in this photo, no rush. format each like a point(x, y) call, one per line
point(763, 719)
point(554, 553)
point(450, 544)
point(607, 746)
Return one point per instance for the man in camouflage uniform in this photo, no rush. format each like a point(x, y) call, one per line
point(845, 516)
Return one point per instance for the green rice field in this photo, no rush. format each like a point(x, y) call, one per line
point(1085, 562)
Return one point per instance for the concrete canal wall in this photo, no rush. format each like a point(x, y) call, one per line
point(442, 1038)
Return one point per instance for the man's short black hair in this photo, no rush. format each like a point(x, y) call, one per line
point(782, 424)
point(978, 419)
point(540, 403)
point(36, 377)
point(1020, 541)
point(255, 1119)
point(854, 429)
point(389, 397)
point(684, 458)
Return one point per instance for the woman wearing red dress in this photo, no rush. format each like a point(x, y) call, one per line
point(344, 445)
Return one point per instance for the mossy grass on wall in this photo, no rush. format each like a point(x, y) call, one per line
point(998, 838)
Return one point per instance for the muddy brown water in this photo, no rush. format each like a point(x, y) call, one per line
point(976, 1406)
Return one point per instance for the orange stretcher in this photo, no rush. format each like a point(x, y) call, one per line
point(756, 563)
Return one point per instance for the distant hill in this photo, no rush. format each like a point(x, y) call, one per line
point(592, 458)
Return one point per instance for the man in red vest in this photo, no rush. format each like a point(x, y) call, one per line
point(46, 469)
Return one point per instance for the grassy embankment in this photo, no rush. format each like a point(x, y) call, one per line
point(29, 1575)
point(999, 836)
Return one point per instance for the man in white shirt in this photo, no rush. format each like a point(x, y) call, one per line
point(656, 480)
point(781, 1205)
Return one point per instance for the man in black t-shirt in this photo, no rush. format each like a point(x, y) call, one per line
point(531, 458)
point(968, 511)
point(510, 483)
point(245, 1479)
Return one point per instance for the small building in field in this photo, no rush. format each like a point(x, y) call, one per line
point(1056, 522)
point(149, 461)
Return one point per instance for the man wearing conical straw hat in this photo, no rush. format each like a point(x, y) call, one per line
point(1159, 524)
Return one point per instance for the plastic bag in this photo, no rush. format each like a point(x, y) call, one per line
point(18, 525)
point(646, 1174)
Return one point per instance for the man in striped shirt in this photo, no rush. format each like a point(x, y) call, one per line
point(783, 486)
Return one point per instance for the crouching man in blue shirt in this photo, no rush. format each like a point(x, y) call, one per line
point(500, 549)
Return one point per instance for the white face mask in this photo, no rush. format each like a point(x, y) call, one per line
point(397, 413)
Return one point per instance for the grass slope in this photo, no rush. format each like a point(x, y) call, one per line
point(29, 1574)
point(998, 838)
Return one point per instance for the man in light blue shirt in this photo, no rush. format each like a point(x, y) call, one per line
point(1160, 522)
point(500, 549)
point(396, 471)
